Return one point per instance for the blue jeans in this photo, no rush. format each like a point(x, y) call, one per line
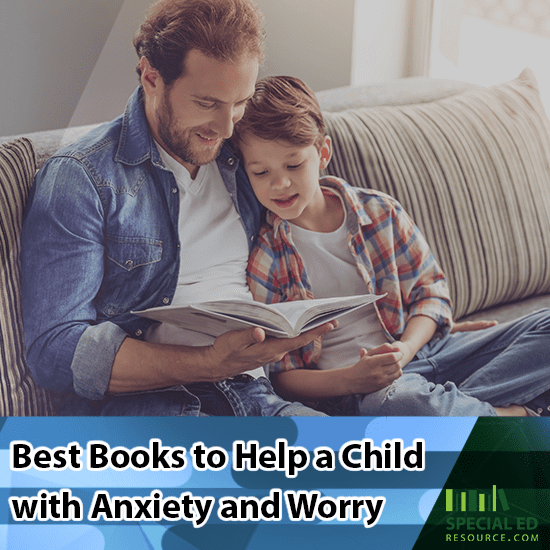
point(465, 374)
point(241, 395)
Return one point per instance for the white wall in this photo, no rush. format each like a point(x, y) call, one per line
point(48, 50)
point(309, 39)
point(380, 40)
point(71, 62)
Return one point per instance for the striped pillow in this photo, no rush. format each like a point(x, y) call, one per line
point(19, 395)
point(473, 171)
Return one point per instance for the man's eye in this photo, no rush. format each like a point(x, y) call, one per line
point(206, 105)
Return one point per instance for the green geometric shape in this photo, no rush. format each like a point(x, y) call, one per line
point(504, 459)
point(472, 500)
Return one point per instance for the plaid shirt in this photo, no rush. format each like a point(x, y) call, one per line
point(391, 256)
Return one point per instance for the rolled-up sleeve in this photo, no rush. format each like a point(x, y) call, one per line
point(93, 359)
point(423, 284)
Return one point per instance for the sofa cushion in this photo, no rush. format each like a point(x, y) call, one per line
point(473, 171)
point(19, 395)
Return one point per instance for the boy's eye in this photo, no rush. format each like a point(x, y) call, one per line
point(262, 173)
point(294, 166)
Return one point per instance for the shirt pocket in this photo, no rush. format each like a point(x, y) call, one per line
point(130, 266)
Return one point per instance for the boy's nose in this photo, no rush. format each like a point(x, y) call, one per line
point(280, 182)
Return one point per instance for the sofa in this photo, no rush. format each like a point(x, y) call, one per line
point(470, 164)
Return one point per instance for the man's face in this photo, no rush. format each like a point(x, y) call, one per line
point(193, 117)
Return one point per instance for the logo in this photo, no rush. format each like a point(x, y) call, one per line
point(481, 515)
point(474, 500)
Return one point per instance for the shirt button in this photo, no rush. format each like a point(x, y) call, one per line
point(174, 190)
point(231, 161)
point(129, 264)
point(166, 300)
point(539, 410)
point(138, 332)
point(252, 238)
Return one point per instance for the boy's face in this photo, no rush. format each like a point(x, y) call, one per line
point(285, 177)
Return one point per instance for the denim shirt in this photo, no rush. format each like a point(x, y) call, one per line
point(100, 238)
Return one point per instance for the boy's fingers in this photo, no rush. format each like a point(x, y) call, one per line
point(383, 359)
point(383, 349)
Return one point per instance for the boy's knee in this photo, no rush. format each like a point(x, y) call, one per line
point(414, 395)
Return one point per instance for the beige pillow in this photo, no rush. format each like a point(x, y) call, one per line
point(473, 172)
point(19, 395)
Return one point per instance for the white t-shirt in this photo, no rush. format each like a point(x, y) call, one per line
point(214, 249)
point(332, 271)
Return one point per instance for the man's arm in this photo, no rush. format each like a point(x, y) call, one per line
point(62, 272)
point(141, 365)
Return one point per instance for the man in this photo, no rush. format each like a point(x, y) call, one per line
point(151, 209)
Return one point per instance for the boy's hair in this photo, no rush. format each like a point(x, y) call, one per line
point(282, 108)
point(221, 29)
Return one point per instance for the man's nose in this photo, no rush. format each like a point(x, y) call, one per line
point(224, 123)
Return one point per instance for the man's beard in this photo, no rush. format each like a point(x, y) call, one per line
point(180, 145)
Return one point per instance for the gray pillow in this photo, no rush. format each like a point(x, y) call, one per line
point(19, 394)
point(473, 172)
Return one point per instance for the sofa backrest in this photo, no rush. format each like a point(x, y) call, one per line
point(473, 171)
point(19, 394)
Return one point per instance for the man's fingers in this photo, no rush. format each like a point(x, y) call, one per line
point(258, 335)
point(249, 337)
point(310, 335)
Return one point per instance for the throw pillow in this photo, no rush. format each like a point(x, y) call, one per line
point(473, 172)
point(19, 394)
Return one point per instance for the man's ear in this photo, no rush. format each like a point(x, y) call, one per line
point(325, 152)
point(151, 80)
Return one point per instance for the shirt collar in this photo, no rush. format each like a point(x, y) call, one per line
point(136, 143)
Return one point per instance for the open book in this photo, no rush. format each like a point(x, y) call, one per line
point(283, 320)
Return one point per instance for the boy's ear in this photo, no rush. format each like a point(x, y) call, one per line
point(325, 152)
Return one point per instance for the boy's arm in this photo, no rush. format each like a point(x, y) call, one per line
point(419, 330)
point(265, 263)
point(422, 282)
point(375, 370)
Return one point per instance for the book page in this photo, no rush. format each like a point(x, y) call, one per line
point(300, 312)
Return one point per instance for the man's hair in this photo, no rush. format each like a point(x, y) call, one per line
point(221, 29)
point(282, 108)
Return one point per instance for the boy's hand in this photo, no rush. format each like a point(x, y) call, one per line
point(407, 351)
point(376, 369)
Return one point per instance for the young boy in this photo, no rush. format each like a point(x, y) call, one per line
point(325, 238)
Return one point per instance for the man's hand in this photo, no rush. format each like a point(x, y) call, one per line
point(144, 365)
point(237, 351)
point(467, 326)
